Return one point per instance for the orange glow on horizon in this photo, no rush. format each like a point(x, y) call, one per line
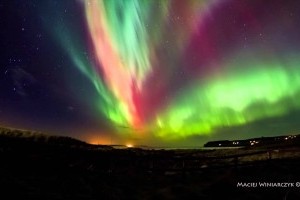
point(95, 139)
point(129, 145)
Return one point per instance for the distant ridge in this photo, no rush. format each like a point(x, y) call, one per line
point(262, 141)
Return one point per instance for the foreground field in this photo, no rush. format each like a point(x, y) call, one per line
point(43, 169)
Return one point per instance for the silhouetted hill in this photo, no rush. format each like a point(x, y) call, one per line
point(9, 136)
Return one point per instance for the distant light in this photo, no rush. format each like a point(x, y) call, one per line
point(129, 145)
point(286, 138)
point(220, 144)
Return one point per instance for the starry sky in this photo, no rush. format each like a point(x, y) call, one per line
point(160, 73)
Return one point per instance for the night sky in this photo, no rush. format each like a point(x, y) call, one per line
point(145, 72)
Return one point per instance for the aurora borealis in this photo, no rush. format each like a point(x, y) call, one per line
point(173, 69)
point(127, 41)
